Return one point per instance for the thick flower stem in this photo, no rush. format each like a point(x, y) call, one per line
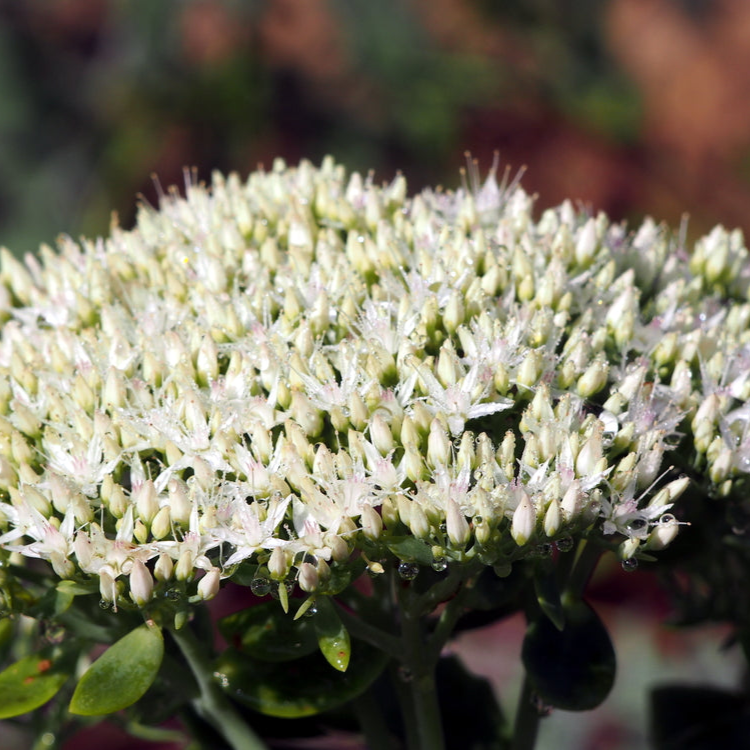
point(417, 674)
point(212, 704)
point(526, 726)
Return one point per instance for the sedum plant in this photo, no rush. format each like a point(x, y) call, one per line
point(383, 419)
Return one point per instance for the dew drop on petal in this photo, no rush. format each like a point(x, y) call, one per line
point(173, 594)
point(311, 611)
point(667, 518)
point(630, 564)
point(260, 586)
point(104, 604)
point(408, 571)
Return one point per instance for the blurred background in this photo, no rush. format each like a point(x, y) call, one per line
point(631, 106)
point(634, 107)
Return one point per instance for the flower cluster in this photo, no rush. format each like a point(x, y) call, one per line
point(306, 373)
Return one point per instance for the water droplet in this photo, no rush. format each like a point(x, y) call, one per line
point(312, 610)
point(477, 520)
point(630, 564)
point(289, 586)
point(408, 571)
point(405, 674)
point(667, 518)
point(637, 524)
point(222, 679)
point(502, 570)
point(104, 604)
point(47, 740)
point(173, 594)
point(543, 550)
point(260, 586)
point(439, 564)
point(565, 544)
point(443, 528)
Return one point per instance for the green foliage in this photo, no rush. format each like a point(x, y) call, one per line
point(121, 675)
point(32, 681)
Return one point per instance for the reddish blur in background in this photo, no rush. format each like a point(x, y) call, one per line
point(634, 107)
point(631, 106)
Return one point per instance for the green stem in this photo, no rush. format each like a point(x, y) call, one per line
point(586, 560)
point(575, 579)
point(371, 634)
point(212, 704)
point(371, 721)
point(526, 726)
point(422, 717)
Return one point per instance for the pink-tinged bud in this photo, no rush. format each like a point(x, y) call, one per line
point(308, 577)
point(590, 453)
point(141, 583)
point(372, 523)
point(571, 501)
point(179, 503)
point(457, 527)
point(381, 435)
point(208, 586)
point(146, 501)
point(524, 521)
point(438, 445)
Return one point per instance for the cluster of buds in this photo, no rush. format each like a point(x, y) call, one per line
point(299, 372)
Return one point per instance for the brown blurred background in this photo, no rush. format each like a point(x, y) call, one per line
point(632, 106)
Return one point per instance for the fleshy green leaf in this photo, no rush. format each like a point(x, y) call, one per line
point(573, 668)
point(333, 637)
point(121, 675)
point(409, 548)
point(304, 687)
point(31, 682)
point(264, 632)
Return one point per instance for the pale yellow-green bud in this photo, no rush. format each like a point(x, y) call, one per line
point(524, 520)
point(161, 524)
point(552, 518)
point(163, 567)
point(278, 565)
point(593, 379)
point(418, 522)
point(208, 586)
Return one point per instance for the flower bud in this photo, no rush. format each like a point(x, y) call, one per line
point(457, 527)
point(208, 586)
point(141, 583)
point(524, 520)
point(308, 577)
